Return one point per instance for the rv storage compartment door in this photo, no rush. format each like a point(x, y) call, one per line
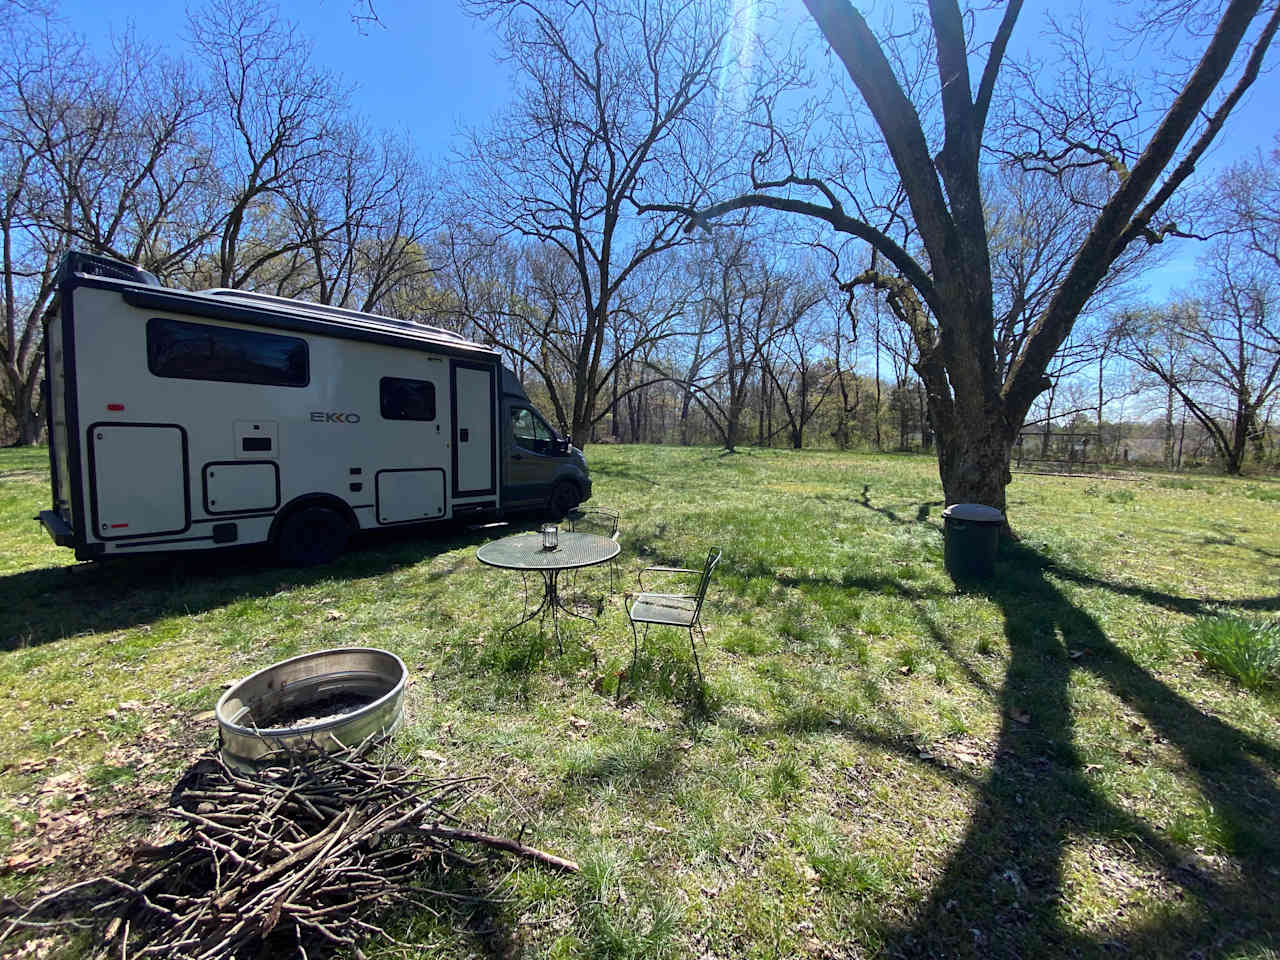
point(241, 487)
point(138, 479)
point(473, 416)
point(408, 495)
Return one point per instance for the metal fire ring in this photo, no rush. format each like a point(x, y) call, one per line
point(312, 678)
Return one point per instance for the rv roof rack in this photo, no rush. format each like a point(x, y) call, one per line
point(97, 265)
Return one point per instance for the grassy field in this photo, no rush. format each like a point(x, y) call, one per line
point(883, 765)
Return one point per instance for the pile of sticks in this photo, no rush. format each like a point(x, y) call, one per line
point(305, 855)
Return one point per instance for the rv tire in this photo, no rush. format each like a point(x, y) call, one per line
point(564, 497)
point(312, 536)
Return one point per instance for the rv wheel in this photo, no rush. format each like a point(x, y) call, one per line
point(312, 536)
point(564, 497)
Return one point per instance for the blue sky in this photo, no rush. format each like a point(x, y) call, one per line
point(431, 70)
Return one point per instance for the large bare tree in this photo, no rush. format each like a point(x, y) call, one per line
point(364, 223)
point(103, 155)
point(748, 299)
point(613, 110)
point(798, 368)
point(935, 261)
point(1252, 192)
point(277, 115)
point(1227, 369)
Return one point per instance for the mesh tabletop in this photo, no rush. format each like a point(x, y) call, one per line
point(524, 552)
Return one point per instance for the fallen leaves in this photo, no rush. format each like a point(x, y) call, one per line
point(61, 821)
point(31, 766)
point(67, 739)
point(958, 752)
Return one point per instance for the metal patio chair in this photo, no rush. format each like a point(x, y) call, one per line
point(600, 521)
point(673, 609)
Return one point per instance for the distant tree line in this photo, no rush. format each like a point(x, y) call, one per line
point(238, 163)
point(669, 248)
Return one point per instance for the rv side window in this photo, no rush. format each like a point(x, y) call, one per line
point(197, 351)
point(403, 399)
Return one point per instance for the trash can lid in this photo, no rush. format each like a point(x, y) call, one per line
point(974, 512)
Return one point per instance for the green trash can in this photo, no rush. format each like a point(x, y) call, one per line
point(971, 536)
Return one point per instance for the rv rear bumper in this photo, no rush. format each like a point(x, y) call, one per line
point(57, 528)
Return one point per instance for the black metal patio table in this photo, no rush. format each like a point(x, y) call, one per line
point(524, 552)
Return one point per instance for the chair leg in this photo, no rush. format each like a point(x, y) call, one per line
point(635, 649)
point(696, 662)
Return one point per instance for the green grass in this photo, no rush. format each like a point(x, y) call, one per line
point(882, 764)
point(1246, 650)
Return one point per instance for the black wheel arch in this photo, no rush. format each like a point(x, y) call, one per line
point(554, 505)
point(573, 478)
point(337, 504)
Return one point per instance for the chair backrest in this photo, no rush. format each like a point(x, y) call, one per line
point(595, 519)
point(713, 558)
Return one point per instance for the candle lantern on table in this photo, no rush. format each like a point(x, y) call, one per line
point(550, 536)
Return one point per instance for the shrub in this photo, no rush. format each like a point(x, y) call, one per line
point(1244, 649)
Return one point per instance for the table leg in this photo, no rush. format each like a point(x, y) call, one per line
point(551, 603)
point(556, 593)
point(551, 600)
point(538, 611)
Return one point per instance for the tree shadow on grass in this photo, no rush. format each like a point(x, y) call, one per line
point(1192, 606)
point(922, 511)
point(1003, 890)
point(620, 472)
point(47, 604)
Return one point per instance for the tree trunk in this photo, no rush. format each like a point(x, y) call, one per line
point(29, 427)
point(1239, 439)
point(580, 430)
point(904, 413)
point(877, 422)
point(1182, 436)
point(613, 412)
point(926, 428)
point(686, 401)
point(25, 403)
point(973, 462)
point(731, 425)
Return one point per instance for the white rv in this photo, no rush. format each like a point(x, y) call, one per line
point(186, 421)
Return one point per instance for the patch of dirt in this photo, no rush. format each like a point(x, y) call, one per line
point(323, 710)
point(68, 823)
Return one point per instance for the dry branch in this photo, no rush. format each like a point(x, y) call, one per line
point(306, 854)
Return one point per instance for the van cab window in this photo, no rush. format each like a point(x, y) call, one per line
point(530, 430)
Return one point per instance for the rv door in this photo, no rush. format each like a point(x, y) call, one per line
point(474, 433)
